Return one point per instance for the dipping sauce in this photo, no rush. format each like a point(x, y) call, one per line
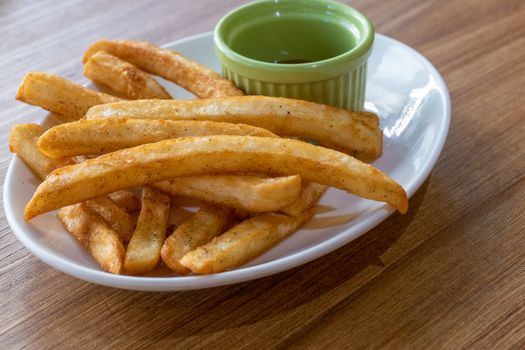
point(289, 39)
point(313, 50)
point(292, 61)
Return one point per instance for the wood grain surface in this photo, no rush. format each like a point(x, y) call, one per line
point(449, 274)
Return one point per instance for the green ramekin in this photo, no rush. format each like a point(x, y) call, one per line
point(255, 42)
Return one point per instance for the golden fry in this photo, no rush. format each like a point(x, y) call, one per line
point(243, 242)
point(308, 198)
point(199, 229)
point(171, 65)
point(23, 141)
point(212, 155)
point(83, 223)
point(116, 217)
point(108, 135)
point(122, 77)
point(125, 199)
point(356, 133)
point(59, 95)
point(143, 252)
point(94, 233)
point(247, 192)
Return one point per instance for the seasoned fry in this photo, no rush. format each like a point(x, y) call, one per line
point(125, 199)
point(59, 95)
point(308, 198)
point(171, 65)
point(116, 217)
point(108, 135)
point(243, 242)
point(356, 133)
point(246, 192)
point(81, 221)
point(211, 155)
point(143, 252)
point(23, 140)
point(94, 233)
point(199, 229)
point(122, 77)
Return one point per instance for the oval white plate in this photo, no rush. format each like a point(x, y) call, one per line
point(403, 87)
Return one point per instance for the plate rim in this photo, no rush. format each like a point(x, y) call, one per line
point(242, 274)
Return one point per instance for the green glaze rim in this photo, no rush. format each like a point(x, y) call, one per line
point(301, 72)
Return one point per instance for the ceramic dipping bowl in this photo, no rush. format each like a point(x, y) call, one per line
point(313, 50)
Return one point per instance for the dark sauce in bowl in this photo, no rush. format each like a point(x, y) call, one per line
point(292, 61)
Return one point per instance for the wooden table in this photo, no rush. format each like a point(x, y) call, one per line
point(449, 274)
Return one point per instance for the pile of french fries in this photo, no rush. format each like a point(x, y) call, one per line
point(241, 156)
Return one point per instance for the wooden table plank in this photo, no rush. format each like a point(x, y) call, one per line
point(449, 274)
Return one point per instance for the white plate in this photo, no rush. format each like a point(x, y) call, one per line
point(413, 103)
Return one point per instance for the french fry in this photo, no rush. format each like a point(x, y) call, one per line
point(252, 193)
point(80, 220)
point(59, 95)
point(247, 192)
point(199, 229)
point(143, 252)
point(308, 198)
point(243, 242)
point(23, 140)
point(355, 133)
point(122, 77)
point(116, 217)
point(125, 199)
point(171, 65)
point(94, 233)
point(212, 155)
point(108, 135)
